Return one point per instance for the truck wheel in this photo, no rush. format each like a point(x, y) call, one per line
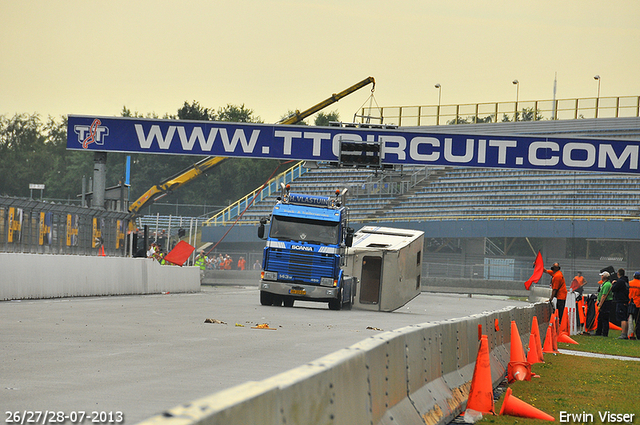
point(266, 298)
point(336, 303)
point(347, 306)
point(288, 302)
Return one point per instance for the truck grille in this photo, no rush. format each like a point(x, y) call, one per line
point(302, 266)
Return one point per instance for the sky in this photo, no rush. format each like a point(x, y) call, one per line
point(89, 57)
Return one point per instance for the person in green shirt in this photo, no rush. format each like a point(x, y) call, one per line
point(605, 300)
point(201, 261)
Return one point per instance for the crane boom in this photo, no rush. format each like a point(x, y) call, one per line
point(172, 183)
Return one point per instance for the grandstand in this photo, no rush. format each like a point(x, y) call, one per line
point(370, 193)
point(469, 193)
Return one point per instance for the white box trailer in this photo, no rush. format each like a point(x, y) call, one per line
point(388, 265)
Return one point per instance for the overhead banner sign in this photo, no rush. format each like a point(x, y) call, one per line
point(248, 140)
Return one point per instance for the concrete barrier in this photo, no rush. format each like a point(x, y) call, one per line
point(539, 293)
point(34, 276)
point(231, 277)
point(415, 375)
point(429, 284)
point(474, 286)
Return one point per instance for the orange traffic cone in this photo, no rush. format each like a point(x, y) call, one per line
point(532, 355)
point(548, 341)
point(566, 339)
point(518, 368)
point(581, 313)
point(481, 392)
point(614, 327)
point(517, 352)
point(564, 325)
point(102, 250)
point(535, 329)
point(513, 406)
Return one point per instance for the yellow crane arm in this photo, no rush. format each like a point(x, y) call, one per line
point(299, 116)
point(160, 190)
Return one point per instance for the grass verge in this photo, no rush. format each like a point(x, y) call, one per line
point(578, 385)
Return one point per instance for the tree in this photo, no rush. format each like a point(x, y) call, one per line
point(323, 119)
point(195, 112)
point(527, 114)
point(235, 113)
point(24, 154)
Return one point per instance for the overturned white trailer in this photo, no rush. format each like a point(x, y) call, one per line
point(388, 265)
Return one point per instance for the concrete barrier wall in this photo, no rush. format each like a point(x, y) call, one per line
point(33, 276)
point(416, 375)
point(429, 284)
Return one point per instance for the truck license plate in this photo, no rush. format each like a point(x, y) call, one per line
point(298, 292)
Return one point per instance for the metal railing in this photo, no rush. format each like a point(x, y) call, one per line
point(535, 110)
point(272, 187)
point(484, 217)
point(39, 227)
point(379, 185)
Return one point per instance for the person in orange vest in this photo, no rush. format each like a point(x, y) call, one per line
point(634, 305)
point(558, 288)
point(577, 287)
point(241, 263)
point(227, 263)
point(577, 284)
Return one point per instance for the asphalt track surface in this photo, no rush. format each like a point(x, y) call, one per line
point(141, 355)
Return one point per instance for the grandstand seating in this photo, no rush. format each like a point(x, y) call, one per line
point(470, 193)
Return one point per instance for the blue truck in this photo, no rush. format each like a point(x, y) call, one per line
point(306, 250)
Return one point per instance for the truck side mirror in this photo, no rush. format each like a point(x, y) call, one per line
point(263, 221)
point(348, 240)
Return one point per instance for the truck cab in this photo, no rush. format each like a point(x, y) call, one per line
point(305, 251)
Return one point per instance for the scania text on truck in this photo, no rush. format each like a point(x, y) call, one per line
point(305, 251)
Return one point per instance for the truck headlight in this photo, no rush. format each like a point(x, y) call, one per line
point(326, 281)
point(269, 275)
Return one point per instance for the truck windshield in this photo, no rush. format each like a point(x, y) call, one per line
point(304, 230)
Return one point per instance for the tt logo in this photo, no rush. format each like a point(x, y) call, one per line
point(94, 133)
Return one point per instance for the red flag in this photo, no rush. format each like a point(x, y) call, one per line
point(538, 269)
point(179, 253)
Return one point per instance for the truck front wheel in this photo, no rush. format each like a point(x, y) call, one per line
point(266, 298)
point(336, 303)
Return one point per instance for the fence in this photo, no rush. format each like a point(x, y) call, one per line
point(559, 109)
point(30, 226)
